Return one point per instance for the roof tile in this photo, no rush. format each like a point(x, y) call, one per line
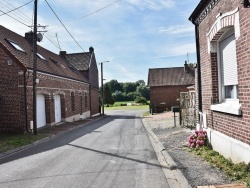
point(170, 77)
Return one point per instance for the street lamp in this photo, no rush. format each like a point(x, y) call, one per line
point(102, 84)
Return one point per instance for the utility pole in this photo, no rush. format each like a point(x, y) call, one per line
point(102, 88)
point(34, 68)
point(102, 85)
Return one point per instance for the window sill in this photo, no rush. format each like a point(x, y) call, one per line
point(227, 108)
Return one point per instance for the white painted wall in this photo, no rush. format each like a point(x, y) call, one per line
point(228, 147)
point(78, 117)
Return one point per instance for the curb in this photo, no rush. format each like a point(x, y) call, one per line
point(174, 176)
point(13, 151)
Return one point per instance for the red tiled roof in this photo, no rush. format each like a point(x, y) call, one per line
point(170, 77)
point(54, 64)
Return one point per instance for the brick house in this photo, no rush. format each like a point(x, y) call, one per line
point(166, 84)
point(222, 41)
point(63, 92)
point(86, 64)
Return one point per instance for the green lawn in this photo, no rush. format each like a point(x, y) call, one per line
point(141, 107)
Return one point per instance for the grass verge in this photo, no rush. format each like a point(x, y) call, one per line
point(236, 172)
point(141, 107)
point(12, 141)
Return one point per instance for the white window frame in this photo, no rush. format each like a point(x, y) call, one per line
point(226, 105)
point(16, 46)
point(40, 56)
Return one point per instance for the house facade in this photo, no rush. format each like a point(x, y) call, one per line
point(63, 92)
point(223, 66)
point(86, 64)
point(166, 84)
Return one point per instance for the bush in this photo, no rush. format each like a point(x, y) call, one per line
point(141, 100)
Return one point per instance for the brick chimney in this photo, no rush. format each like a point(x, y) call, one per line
point(186, 67)
point(63, 54)
point(91, 49)
point(29, 36)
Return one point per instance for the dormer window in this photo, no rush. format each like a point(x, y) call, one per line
point(40, 56)
point(15, 45)
point(56, 62)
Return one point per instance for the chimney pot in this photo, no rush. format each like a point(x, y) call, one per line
point(186, 67)
point(91, 49)
point(63, 54)
point(29, 36)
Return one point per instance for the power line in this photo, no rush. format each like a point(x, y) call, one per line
point(14, 18)
point(16, 8)
point(91, 13)
point(17, 15)
point(64, 25)
point(100, 9)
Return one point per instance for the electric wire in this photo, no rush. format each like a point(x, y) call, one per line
point(15, 19)
point(15, 8)
point(90, 13)
point(14, 14)
point(17, 14)
point(64, 26)
point(49, 36)
point(100, 9)
point(79, 59)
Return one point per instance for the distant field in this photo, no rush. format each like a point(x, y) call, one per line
point(142, 107)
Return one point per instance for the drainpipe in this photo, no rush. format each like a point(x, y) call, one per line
point(25, 101)
point(198, 66)
point(90, 106)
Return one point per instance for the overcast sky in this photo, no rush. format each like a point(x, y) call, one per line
point(134, 35)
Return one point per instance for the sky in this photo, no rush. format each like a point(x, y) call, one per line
point(133, 35)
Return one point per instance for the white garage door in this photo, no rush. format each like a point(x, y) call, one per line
point(58, 117)
point(40, 111)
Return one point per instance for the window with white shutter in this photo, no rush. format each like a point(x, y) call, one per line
point(228, 75)
point(228, 66)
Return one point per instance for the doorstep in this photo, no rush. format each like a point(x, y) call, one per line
point(224, 186)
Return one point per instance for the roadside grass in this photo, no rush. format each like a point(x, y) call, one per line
point(146, 114)
point(12, 141)
point(140, 107)
point(236, 172)
point(122, 103)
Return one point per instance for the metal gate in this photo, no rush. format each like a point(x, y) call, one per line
point(187, 109)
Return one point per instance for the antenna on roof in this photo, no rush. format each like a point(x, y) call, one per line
point(58, 42)
point(188, 58)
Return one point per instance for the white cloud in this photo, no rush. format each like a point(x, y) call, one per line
point(180, 49)
point(177, 29)
point(152, 4)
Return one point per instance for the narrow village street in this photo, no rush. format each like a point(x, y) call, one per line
point(112, 152)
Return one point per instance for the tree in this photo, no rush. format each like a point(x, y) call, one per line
point(118, 96)
point(129, 87)
point(143, 91)
point(131, 96)
point(115, 86)
point(107, 95)
point(140, 82)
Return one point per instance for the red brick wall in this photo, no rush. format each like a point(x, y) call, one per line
point(94, 102)
point(49, 86)
point(237, 127)
point(11, 96)
point(12, 103)
point(167, 94)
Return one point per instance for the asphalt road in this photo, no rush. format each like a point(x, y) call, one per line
point(112, 152)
